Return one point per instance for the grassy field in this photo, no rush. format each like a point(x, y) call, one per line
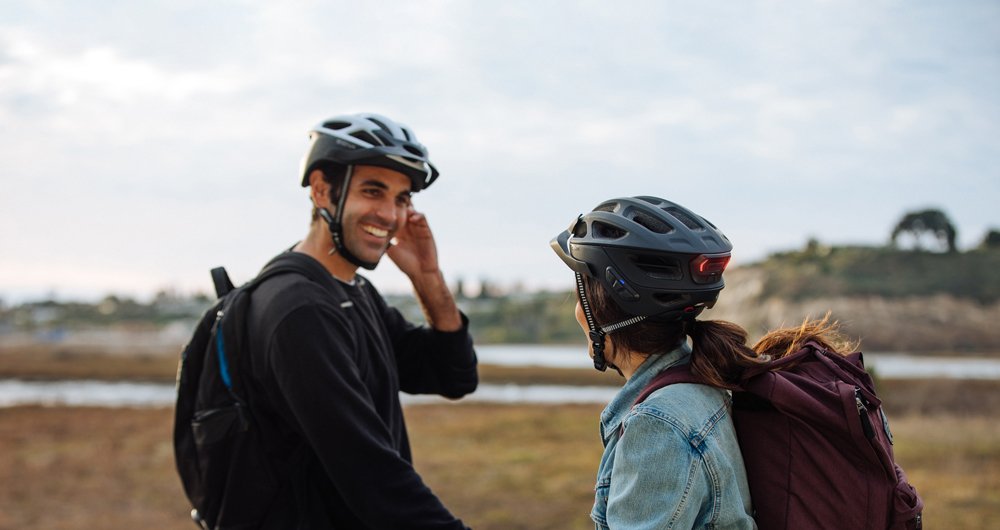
point(496, 466)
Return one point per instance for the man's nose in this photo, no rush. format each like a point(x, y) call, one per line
point(388, 212)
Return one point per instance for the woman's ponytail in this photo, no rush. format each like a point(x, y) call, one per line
point(720, 354)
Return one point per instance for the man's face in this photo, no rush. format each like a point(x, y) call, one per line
point(377, 205)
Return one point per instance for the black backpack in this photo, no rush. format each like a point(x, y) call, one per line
point(816, 444)
point(217, 447)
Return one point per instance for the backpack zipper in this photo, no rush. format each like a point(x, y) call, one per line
point(866, 422)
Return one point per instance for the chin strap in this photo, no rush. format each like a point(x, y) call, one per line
point(337, 228)
point(597, 333)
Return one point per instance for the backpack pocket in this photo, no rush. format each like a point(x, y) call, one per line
point(212, 425)
point(236, 484)
point(907, 507)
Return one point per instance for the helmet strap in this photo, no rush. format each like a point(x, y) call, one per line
point(622, 324)
point(336, 226)
point(596, 334)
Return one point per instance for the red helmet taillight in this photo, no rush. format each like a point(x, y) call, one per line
point(708, 269)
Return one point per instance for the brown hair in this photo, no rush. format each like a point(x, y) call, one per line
point(824, 331)
point(719, 354)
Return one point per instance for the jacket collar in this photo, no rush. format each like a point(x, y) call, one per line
point(621, 404)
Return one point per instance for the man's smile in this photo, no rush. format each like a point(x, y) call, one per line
point(375, 231)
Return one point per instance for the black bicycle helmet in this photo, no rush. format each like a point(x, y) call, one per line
point(656, 258)
point(369, 139)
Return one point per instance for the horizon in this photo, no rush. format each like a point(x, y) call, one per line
point(471, 286)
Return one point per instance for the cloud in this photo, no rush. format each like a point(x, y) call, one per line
point(99, 75)
point(151, 126)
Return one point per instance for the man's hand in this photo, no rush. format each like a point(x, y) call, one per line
point(414, 251)
point(416, 255)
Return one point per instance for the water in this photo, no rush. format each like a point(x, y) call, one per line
point(887, 365)
point(85, 393)
point(139, 395)
point(128, 394)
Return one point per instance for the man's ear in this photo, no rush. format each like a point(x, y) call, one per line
point(319, 189)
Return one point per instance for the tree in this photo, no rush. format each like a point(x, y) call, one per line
point(991, 239)
point(933, 222)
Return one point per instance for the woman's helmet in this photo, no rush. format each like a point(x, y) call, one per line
point(657, 259)
point(369, 139)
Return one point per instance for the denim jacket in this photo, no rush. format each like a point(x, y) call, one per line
point(672, 461)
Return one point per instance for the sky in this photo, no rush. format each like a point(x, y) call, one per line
point(143, 143)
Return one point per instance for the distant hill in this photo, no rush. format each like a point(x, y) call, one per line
point(894, 300)
point(881, 271)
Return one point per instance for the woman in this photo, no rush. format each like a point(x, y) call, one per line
point(645, 269)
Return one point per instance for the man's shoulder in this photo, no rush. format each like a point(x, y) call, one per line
point(286, 292)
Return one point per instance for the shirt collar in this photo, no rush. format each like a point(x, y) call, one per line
point(621, 404)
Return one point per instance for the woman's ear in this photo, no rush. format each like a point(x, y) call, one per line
point(609, 350)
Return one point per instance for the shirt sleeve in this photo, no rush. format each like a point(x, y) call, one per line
point(644, 495)
point(317, 380)
point(430, 361)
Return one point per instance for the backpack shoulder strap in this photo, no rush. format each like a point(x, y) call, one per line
point(680, 373)
point(228, 332)
point(298, 263)
point(223, 285)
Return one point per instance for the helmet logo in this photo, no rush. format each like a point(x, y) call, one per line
point(344, 143)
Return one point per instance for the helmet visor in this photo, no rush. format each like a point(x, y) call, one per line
point(560, 244)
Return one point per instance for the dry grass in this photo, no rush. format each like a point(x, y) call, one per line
point(955, 465)
point(47, 362)
point(77, 468)
point(496, 466)
point(510, 467)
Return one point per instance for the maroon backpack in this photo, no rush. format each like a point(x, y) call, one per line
point(816, 445)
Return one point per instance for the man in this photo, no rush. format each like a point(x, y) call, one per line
point(328, 361)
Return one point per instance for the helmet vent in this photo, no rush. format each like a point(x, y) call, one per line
point(413, 150)
point(659, 267)
point(607, 207)
point(606, 231)
point(685, 218)
point(364, 136)
point(377, 122)
point(652, 224)
point(580, 230)
point(669, 298)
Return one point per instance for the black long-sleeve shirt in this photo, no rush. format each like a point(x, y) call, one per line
point(327, 370)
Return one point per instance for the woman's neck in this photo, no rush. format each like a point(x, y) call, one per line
point(628, 362)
